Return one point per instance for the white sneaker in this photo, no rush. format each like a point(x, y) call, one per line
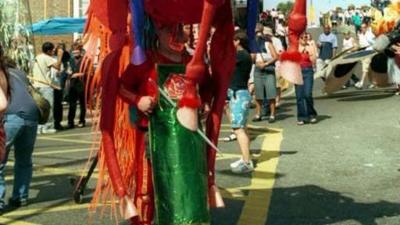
point(359, 85)
point(236, 163)
point(39, 130)
point(49, 131)
point(243, 167)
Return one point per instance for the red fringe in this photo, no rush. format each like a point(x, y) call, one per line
point(291, 56)
point(191, 102)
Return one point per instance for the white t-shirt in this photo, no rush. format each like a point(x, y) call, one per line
point(42, 70)
point(264, 56)
point(280, 30)
point(277, 43)
point(367, 39)
point(348, 44)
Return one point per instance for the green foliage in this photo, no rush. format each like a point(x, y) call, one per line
point(15, 35)
point(285, 7)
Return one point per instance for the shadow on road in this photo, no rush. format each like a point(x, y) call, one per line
point(313, 205)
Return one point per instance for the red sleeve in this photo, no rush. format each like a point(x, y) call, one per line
point(133, 82)
point(206, 88)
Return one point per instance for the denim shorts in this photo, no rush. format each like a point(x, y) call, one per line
point(239, 105)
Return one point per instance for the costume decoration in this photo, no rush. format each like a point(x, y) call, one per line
point(387, 28)
point(389, 25)
point(384, 24)
point(180, 163)
point(290, 60)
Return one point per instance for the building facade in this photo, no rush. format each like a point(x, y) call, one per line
point(46, 9)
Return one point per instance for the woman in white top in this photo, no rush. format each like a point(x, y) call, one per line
point(264, 78)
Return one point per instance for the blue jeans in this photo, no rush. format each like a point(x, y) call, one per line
point(305, 102)
point(21, 134)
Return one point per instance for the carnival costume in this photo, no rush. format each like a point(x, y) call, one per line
point(177, 158)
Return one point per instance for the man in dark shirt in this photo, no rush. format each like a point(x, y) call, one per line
point(20, 123)
point(76, 90)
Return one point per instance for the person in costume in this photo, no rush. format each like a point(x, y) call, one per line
point(152, 79)
point(126, 172)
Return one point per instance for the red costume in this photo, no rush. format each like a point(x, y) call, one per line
point(122, 152)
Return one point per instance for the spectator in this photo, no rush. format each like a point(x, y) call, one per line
point(327, 44)
point(276, 42)
point(312, 43)
point(264, 78)
point(61, 77)
point(347, 17)
point(366, 39)
point(45, 79)
point(76, 89)
point(357, 21)
point(350, 44)
point(282, 33)
point(304, 99)
point(4, 97)
point(239, 102)
point(21, 121)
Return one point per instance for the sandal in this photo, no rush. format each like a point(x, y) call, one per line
point(231, 137)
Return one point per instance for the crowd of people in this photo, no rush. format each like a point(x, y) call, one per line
point(56, 76)
point(256, 79)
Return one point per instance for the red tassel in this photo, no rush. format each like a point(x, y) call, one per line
point(191, 102)
point(291, 56)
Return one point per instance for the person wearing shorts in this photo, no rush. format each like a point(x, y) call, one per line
point(265, 79)
point(239, 102)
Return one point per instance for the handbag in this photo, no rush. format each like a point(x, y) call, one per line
point(42, 104)
point(270, 69)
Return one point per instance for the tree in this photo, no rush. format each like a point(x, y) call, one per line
point(285, 7)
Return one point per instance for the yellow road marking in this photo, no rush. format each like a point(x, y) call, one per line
point(72, 135)
point(7, 221)
point(256, 206)
point(66, 140)
point(71, 206)
point(63, 151)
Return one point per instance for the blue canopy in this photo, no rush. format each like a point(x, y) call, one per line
point(59, 26)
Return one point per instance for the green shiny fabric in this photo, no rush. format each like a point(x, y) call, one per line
point(179, 164)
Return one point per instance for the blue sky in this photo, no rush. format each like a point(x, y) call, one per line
point(321, 5)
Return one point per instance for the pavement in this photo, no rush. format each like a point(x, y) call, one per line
point(345, 170)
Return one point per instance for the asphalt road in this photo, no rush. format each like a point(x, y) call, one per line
point(344, 170)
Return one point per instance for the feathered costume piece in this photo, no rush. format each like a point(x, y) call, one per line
point(290, 60)
point(126, 175)
point(388, 22)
